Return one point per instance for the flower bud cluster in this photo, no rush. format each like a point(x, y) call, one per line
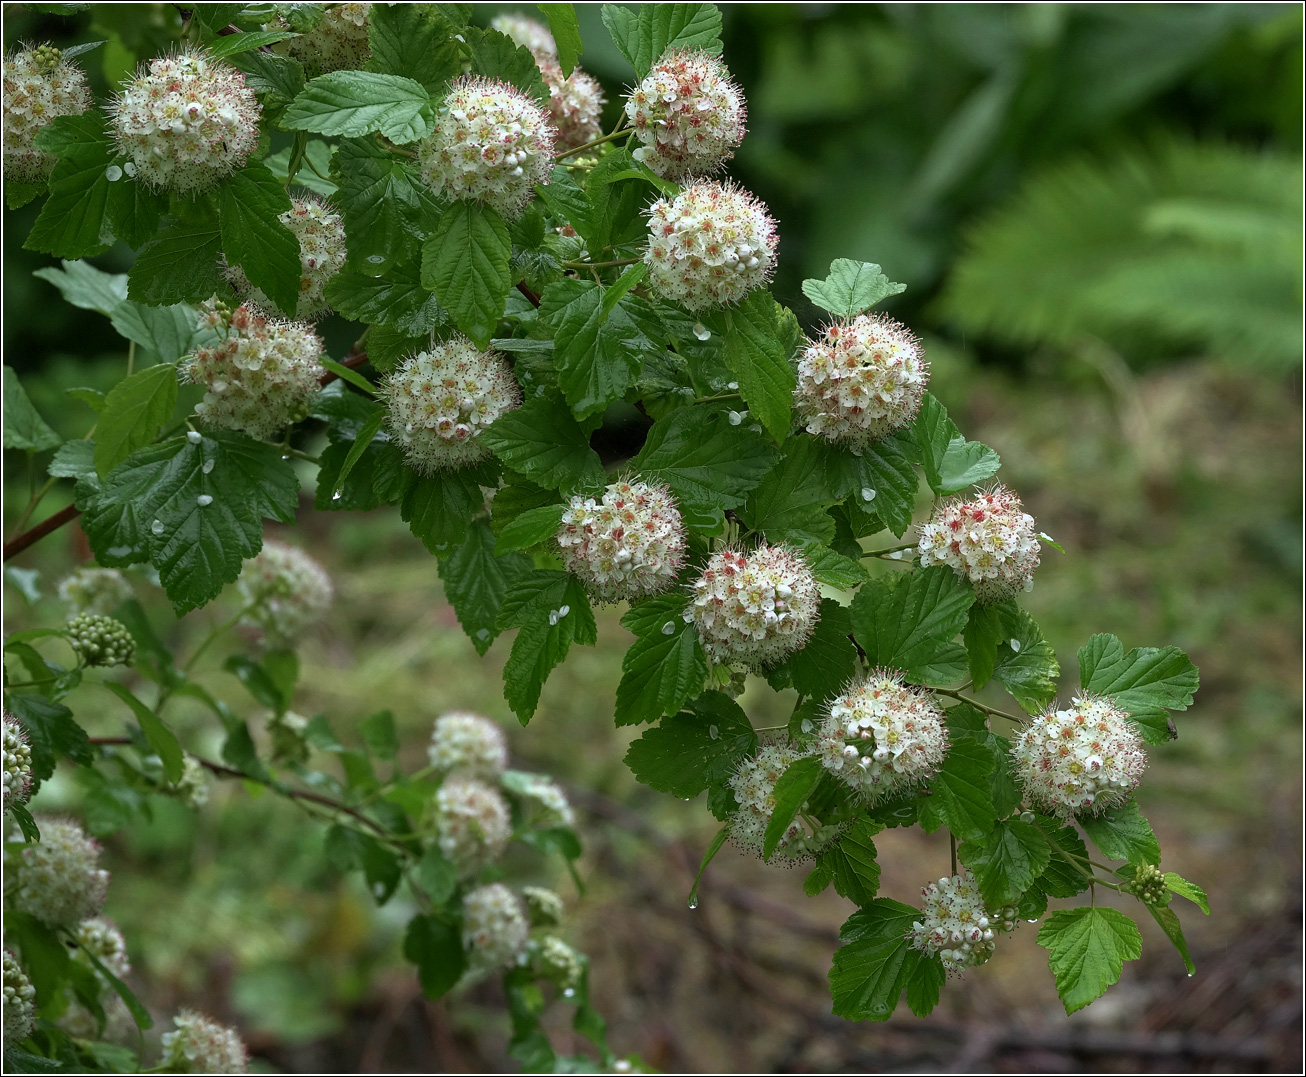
point(688, 114)
point(58, 879)
point(754, 787)
point(989, 540)
point(861, 380)
point(199, 1044)
point(17, 763)
point(1085, 759)
point(1149, 885)
point(259, 376)
point(19, 1002)
point(467, 744)
point(527, 33)
point(491, 143)
point(709, 246)
point(554, 807)
point(442, 399)
point(495, 931)
point(473, 824)
point(882, 737)
point(560, 963)
point(575, 105)
point(338, 42)
point(101, 938)
point(321, 235)
point(95, 590)
point(754, 608)
point(287, 592)
point(956, 925)
point(193, 785)
point(544, 906)
point(186, 122)
point(100, 640)
point(39, 86)
point(629, 543)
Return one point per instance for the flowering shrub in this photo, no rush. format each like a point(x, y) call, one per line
point(513, 273)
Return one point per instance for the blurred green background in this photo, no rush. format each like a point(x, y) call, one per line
point(1097, 210)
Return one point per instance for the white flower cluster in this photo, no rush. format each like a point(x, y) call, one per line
point(321, 235)
point(185, 121)
point(495, 930)
point(754, 787)
point(989, 540)
point(337, 42)
point(491, 143)
point(882, 738)
point(440, 400)
point(754, 608)
point(709, 246)
point(193, 785)
point(561, 963)
point(956, 925)
point(199, 1044)
point(17, 763)
point(287, 590)
point(39, 86)
point(94, 590)
point(629, 543)
point(468, 744)
point(101, 937)
point(555, 808)
point(261, 373)
point(58, 879)
point(543, 905)
point(575, 104)
point(472, 823)
point(863, 379)
point(19, 1002)
point(688, 114)
point(1082, 760)
point(100, 640)
point(528, 33)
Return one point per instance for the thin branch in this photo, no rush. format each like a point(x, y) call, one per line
point(532, 296)
point(17, 545)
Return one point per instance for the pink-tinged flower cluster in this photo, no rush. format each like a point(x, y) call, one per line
point(575, 105)
point(754, 787)
point(527, 33)
point(1079, 761)
point(259, 375)
point(284, 592)
point(442, 399)
point(186, 121)
point(58, 879)
point(688, 115)
point(339, 41)
point(956, 924)
point(861, 380)
point(467, 744)
point(754, 608)
point(989, 540)
point(882, 737)
point(17, 763)
point(198, 1044)
point(495, 929)
point(321, 235)
point(491, 143)
point(39, 86)
point(472, 822)
point(709, 246)
point(629, 543)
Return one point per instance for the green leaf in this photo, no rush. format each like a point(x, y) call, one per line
point(881, 479)
point(542, 441)
point(876, 963)
point(476, 582)
point(396, 299)
point(1168, 920)
point(1029, 669)
point(179, 265)
point(356, 450)
point(968, 723)
point(197, 548)
point(790, 503)
point(162, 739)
point(1123, 834)
point(388, 210)
point(84, 286)
point(167, 332)
point(829, 659)
point(833, 568)
point(951, 462)
point(467, 264)
point(1061, 878)
point(348, 374)
point(353, 103)
point(18, 193)
point(662, 669)
point(279, 78)
point(552, 610)
point(51, 732)
point(709, 855)
point(253, 237)
point(758, 349)
point(530, 528)
point(850, 288)
point(795, 785)
point(566, 34)
point(963, 793)
point(72, 221)
point(495, 55)
point(439, 507)
point(643, 36)
point(23, 426)
point(851, 863)
point(133, 211)
point(982, 635)
point(682, 756)
point(436, 948)
point(378, 733)
point(1006, 860)
point(907, 621)
point(436, 875)
point(1146, 681)
point(924, 984)
point(411, 40)
point(1087, 949)
point(1194, 893)
point(232, 44)
point(133, 412)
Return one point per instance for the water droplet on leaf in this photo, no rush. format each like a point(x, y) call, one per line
point(669, 628)
point(157, 527)
point(194, 437)
point(701, 331)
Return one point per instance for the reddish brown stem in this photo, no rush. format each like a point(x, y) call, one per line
point(18, 544)
point(532, 296)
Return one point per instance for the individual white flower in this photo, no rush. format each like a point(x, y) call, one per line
point(561, 963)
point(472, 823)
point(575, 105)
point(287, 592)
point(882, 737)
point(199, 1044)
point(543, 905)
point(688, 114)
point(527, 33)
point(441, 400)
point(754, 608)
point(754, 787)
point(629, 543)
point(956, 925)
point(988, 539)
point(709, 246)
point(491, 143)
point(469, 744)
point(861, 380)
point(39, 86)
point(321, 235)
point(495, 930)
point(186, 121)
point(100, 640)
point(1079, 761)
point(94, 590)
point(19, 1001)
point(553, 807)
point(58, 879)
point(193, 785)
point(339, 41)
point(17, 763)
